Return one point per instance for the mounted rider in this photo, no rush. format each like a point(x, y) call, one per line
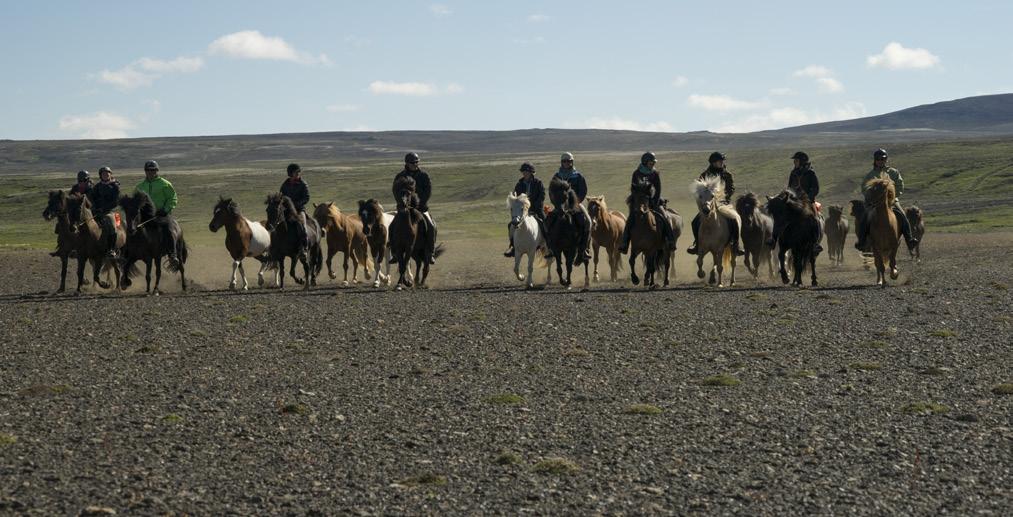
point(296, 189)
point(716, 169)
point(802, 179)
point(424, 189)
point(84, 184)
point(163, 197)
point(105, 198)
point(646, 173)
point(879, 170)
point(577, 182)
point(535, 190)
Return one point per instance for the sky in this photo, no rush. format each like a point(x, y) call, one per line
point(108, 69)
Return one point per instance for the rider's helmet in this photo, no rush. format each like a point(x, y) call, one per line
point(293, 168)
point(151, 165)
point(647, 157)
point(527, 167)
point(83, 176)
point(801, 157)
point(879, 154)
point(105, 169)
point(716, 156)
point(411, 158)
point(566, 157)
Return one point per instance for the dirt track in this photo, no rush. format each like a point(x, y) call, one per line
point(356, 401)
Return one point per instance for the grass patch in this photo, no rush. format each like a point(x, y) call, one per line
point(865, 365)
point(1000, 286)
point(874, 344)
point(172, 418)
point(555, 466)
point(43, 390)
point(509, 399)
point(507, 458)
point(238, 319)
point(756, 297)
point(759, 355)
point(576, 352)
point(887, 332)
point(427, 479)
point(198, 333)
point(720, 380)
point(915, 408)
point(1005, 388)
point(803, 374)
point(132, 338)
point(7, 439)
point(935, 371)
point(294, 409)
point(642, 409)
point(945, 333)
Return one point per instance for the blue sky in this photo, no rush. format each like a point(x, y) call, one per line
point(115, 69)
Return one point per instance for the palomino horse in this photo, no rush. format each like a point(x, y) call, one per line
point(884, 229)
point(837, 233)
point(713, 237)
point(564, 234)
point(291, 238)
point(376, 227)
point(86, 235)
point(57, 209)
point(606, 231)
point(145, 243)
point(528, 238)
point(243, 238)
point(344, 233)
point(757, 229)
point(798, 232)
point(646, 237)
point(917, 220)
point(408, 236)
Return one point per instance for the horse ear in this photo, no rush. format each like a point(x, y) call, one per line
point(768, 197)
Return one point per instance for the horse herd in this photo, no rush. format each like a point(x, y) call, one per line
point(377, 237)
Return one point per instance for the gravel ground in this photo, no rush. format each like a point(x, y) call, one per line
point(482, 398)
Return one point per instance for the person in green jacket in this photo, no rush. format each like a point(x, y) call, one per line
point(163, 196)
point(881, 169)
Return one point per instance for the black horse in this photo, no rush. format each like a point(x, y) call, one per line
point(564, 230)
point(757, 229)
point(797, 230)
point(293, 238)
point(56, 209)
point(146, 242)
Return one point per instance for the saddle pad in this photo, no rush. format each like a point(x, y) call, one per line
point(116, 219)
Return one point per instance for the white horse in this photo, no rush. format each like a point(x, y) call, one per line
point(528, 238)
point(713, 237)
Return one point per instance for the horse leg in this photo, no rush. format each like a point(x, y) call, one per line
point(719, 266)
point(798, 264)
point(96, 267)
point(307, 274)
point(389, 257)
point(80, 270)
point(780, 261)
point(812, 266)
point(279, 275)
point(596, 247)
point(63, 273)
point(569, 268)
point(587, 278)
point(246, 285)
point(421, 272)
point(158, 274)
point(378, 256)
point(517, 265)
point(330, 257)
point(633, 266)
point(235, 267)
point(649, 265)
point(344, 265)
point(559, 268)
point(291, 269)
point(893, 265)
point(531, 270)
point(731, 280)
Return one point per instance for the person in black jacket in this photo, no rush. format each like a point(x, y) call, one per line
point(646, 173)
point(716, 167)
point(84, 184)
point(299, 192)
point(105, 197)
point(567, 172)
point(424, 189)
point(802, 179)
point(535, 190)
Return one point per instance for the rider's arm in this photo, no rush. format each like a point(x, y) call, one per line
point(581, 188)
point(898, 183)
point(170, 198)
point(424, 188)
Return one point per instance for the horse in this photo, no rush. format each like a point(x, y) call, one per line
point(408, 236)
point(243, 238)
point(916, 218)
point(528, 238)
point(837, 234)
point(145, 243)
point(86, 237)
point(292, 238)
point(799, 233)
point(884, 229)
point(713, 236)
point(564, 234)
point(376, 227)
point(606, 232)
point(344, 233)
point(757, 229)
point(56, 209)
point(646, 236)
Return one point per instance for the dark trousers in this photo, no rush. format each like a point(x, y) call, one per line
point(108, 231)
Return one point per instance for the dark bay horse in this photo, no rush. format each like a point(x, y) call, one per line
point(243, 238)
point(146, 243)
point(797, 230)
point(564, 234)
point(646, 236)
point(56, 209)
point(837, 234)
point(292, 239)
point(757, 229)
point(916, 217)
point(408, 236)
point(375, 225)
point(86, 235)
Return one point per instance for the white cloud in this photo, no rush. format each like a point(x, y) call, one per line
point(849, 111)
point(814, 71)
point(722, 103)
point(412, 89)
point(182, 65)
point(440, 10)
point(789, 116)
point(538, 18)
point(898, 57)
point(620, 123)
point(101, 125)
point(254, 45)
point(680, 81)
point(144, 71)
point(829, 85)
point(126, 78)
point(782, 91)
point(341, 108)
point(823, 76)
point(360, 129)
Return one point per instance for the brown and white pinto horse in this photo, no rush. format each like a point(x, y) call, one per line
point(243, 238)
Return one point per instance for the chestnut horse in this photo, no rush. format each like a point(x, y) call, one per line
point(606, 231)
point(344, 233)
point(243, 238)
point(884, 229)
point(408, 236)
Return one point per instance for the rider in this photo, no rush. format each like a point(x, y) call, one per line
point(535, 190)
point(576, 180)
point(84, 184)
point(802, 178)
point(105, 196)
point(163, 196)
point(879, 168)
point(424, 189)
point(299, 192)
point(716, 168)
point(647, 173)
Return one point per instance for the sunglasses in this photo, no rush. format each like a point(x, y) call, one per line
point(566, 161)
point(412, 163)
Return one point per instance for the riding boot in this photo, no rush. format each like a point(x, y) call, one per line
point(510, 251)
point(170, 242)
point(696, 232)
point(905, 226)
point(733, 237)
point(431, 241)
point(585, 240)
point(624, 241)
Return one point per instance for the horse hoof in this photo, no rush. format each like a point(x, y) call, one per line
point(815, 283)
point(894, 274)
point(332, 275)
point(104, 285)
point(376, 285)
point(596, 280)
point(232, 287)
point(635, 280)
point(700, 273)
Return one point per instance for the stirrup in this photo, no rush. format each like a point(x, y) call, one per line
point(692, 249)
point(509, 253)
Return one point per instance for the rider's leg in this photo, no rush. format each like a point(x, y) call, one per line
point(510, 231)
point(431, 240)
point(696, 232)
point(905, 225)
point(733, 235)
point(624, 241)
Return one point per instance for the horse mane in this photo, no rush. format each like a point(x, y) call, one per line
point(226, 203)
point(141, 202)
point(835, 211)
point(558, 189)
point(857, 208)
point(518, 198)
point(599, 200)
point(714, 184)
point(881, 190)
point(642, 191)
point(913, 213)
point(288, 208)
point(746, 204)
point(404, 183)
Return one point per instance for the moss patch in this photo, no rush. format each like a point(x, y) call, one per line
point(7, 439)
point(294, 409)
point(507, 458)
point(642, 409)
point(555, 466)
point(1005, 388)
point(720, 380)
point(933, 408)
point(946, 333)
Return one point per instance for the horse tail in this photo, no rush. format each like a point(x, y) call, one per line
point(439, 250)
point(182, 252)
point(726, 257)
point(130, 270)
point(318, 257)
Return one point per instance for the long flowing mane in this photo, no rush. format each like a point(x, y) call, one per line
point(515, 199)
point(714, 184)
point(289, 213)
point(881, 191)
point(746, 204)
point(559, 192)
point(139, 204)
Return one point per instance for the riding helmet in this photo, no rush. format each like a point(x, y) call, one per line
point(647, 157)
point(715, 156)
point(879, 154)
point(411, 158)
point(527, 167)
point(105, 169)
point(293, 168)
point(566, 157)
point(151, 165)
point(800, 156)
point(83, 176)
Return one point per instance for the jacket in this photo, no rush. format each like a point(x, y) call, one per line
point(894, 174)
point(423, 187)
point(536, 194)
point(576, 181)
point(105, 197)
point(654, 179)
point(726, 177)
point(298, 191)
point(162, 195)
point(803, 179)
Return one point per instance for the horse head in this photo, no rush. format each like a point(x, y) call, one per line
point(857, 208)
point(597, 209)
point(835, 212)
point(324, 212)
point(558, 189)
point(641, 193)
point(279, 210)
point(78, 211)
point(224, 210)
point(370, 212)
point(138, 209)
point(746, 204)
point(880, 191)
point(519, 204)
point(404, 193)
point(706, 192)
point(914, 215)
point(56, 206)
